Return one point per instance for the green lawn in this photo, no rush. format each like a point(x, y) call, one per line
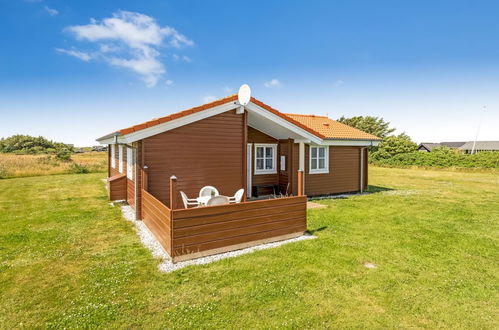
point(69, 260)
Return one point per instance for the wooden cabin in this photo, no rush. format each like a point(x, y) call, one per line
point(225, 145)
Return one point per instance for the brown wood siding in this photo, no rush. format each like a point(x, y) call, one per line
point(343, 176)
point(366, 168)
point(255, 136)
point(130, 192)
point(207, 228)
point(157, 217)
point(117, 187)
point(296, 165)
point(206, 152)
point(284, 147)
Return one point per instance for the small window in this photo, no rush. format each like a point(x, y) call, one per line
point(319, 160)
point(120, 158)
point(129, 163)
point(113, 156)
point(265, 158)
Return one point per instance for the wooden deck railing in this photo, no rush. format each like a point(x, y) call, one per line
point(157, 217)
point(117, 187)
point(195, 232)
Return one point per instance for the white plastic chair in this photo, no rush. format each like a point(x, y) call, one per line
point(238, 196)
point(218, 200)
point(188, 201)
point(208, 191)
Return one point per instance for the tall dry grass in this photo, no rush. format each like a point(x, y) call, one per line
point(12, 166)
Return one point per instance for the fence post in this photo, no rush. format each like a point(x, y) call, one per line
point(300, 183)
point(173, 192)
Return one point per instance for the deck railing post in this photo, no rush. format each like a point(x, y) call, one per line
point(173, 192)
point(300, 183)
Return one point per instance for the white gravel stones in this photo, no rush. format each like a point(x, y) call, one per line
point(166, 265)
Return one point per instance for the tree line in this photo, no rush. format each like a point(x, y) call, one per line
point(400, 151)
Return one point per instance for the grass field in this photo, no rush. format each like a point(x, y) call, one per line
point(68, 260)
point(12, 166)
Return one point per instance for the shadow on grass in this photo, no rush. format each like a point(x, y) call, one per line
point(313, 231)
point(377, 189)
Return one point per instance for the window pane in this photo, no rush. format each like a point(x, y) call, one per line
point(322, 164)
point(314, 152)
point(314, 164)
point(259, 152)
point(268, 152)
point(321, 152)
point(259, 164)
point(268, 164)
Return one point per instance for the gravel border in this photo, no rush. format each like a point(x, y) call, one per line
point(167, 266)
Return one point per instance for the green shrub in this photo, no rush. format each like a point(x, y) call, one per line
point(25, 144)
point(441, 158)
point(63, 154)
point(78, 169)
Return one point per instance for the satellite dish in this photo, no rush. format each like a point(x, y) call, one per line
point(244, 94)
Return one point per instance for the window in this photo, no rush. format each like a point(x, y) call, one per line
point(120, 158)
point(113, 156)
point(319, 160)
point(129, 163)
point(265, 158)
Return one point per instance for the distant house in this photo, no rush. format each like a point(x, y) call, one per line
point(480, 146)
point(466, 147)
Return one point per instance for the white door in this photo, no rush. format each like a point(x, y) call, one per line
point(249, 169)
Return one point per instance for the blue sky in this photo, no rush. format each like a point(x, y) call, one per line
point(75, 70)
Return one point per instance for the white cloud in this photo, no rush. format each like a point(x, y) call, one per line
point(51, 11)
point(184, 58)
point(272, 83)
point(338, 82)
point(228, 90)
point(75, 53)
point(209, 98)
point(131, 40)
point(169, 82)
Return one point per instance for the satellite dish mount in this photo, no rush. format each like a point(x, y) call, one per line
point(243, 97)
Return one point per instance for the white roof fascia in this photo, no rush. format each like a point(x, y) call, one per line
point(283, 122)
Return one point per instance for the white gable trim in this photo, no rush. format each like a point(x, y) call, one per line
point(282, 122)
point(175, 123)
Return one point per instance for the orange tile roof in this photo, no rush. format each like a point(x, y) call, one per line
point(332, 129)
point(312, 124)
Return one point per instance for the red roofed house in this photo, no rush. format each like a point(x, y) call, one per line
point(225, 145)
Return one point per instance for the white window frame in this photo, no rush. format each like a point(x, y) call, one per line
point(113, 156)
point(120, 158)
point(326, 160)
point(129, 163)
point(274, 158)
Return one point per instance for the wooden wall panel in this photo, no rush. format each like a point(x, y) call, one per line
point(255, 136)
point(210, 228)
point(130, 192)
point(206, 152)
point(157, 217)
point(284, 147)
point(117, 187)
point(343, 176)
point(366, 168)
